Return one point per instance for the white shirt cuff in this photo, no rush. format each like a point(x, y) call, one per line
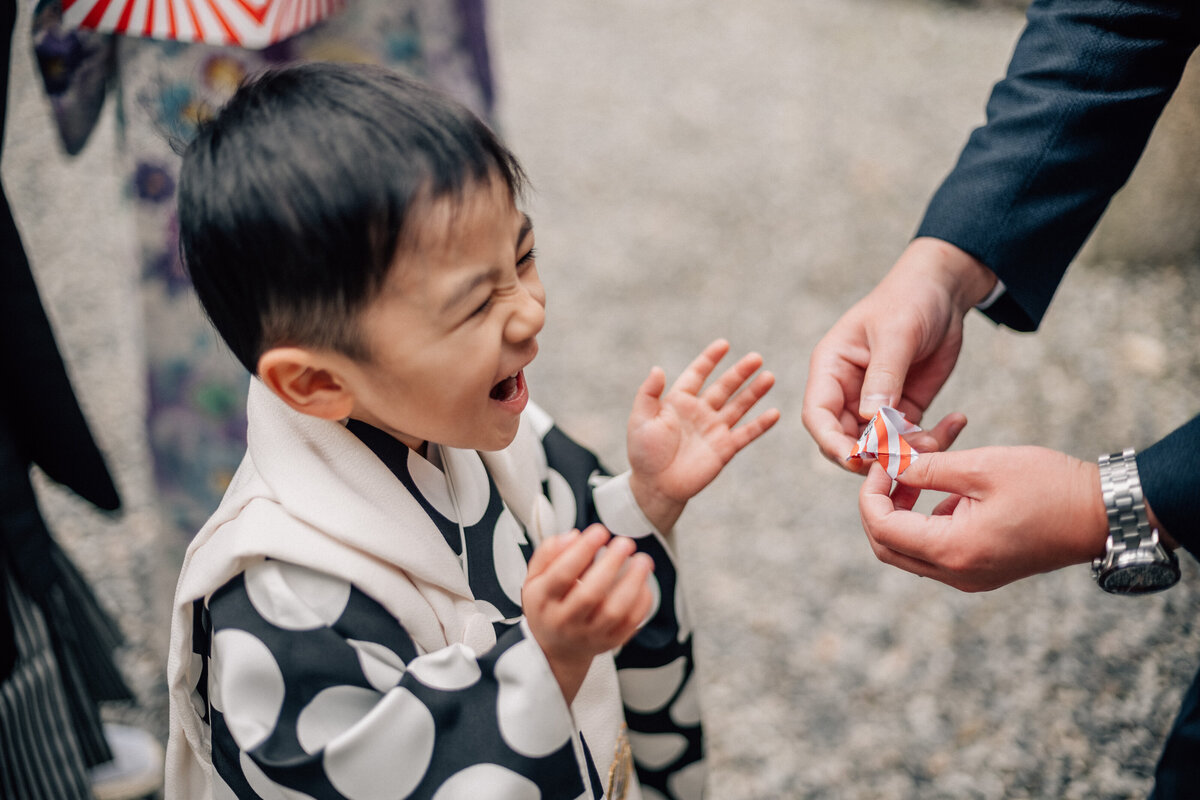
point(617, 507)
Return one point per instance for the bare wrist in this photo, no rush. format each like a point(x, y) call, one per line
point(662, 511)
point(968, 279)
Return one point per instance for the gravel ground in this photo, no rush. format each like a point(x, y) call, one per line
point(748, 170)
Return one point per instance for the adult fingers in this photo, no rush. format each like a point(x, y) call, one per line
point(891, 354)
point(964, 472)
point(829, 410)
point(897, 534)
point(941, 436)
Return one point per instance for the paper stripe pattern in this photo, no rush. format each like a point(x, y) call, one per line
point(883, 439)
point(252, 24)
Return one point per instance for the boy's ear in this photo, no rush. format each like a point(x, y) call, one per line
point(308, 381)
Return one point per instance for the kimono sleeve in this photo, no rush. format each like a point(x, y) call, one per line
point(656, 668)
point(315, 690)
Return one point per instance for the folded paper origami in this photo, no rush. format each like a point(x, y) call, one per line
point(884, 439)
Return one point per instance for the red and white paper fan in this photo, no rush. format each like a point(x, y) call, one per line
point(246, 23)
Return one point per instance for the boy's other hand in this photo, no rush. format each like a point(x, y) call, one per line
point(579, 605)
point(680, 441)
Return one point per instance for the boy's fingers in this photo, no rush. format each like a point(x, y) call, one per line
point(746, 398)
point(732, 379)
point(630, 598)
point(754, 428)
point(692, 379)
point(599, 578)
point(560, 576)
point(647, 400)
point(545, 553)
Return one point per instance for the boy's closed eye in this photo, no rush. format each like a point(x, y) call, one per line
point(523, 263)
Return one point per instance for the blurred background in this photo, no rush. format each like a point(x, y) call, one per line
point(748, 170)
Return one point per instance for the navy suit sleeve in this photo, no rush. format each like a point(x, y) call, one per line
point(1065, 127)
point(1170, 474)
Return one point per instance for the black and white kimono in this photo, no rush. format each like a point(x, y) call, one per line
point(348, 625)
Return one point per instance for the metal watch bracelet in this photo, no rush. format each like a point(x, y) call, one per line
point(1123, 500)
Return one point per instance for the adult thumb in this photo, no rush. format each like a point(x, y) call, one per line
point(883, 381)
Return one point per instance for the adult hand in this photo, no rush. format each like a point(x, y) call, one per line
point(1011, 512)
point(894, 347)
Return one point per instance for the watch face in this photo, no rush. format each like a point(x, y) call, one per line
point(1140, 578)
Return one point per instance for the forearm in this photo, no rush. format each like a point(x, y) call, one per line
point(1065, 127)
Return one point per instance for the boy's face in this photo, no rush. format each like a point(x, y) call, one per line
point(454, 327)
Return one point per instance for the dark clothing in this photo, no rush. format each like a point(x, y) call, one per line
point(55, 641)
point(1087, 81)
point(1065, 127)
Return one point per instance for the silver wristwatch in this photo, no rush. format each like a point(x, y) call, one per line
point(1134, 561)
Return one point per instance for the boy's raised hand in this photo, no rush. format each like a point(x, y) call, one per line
point(578, 605)
point(678, 442)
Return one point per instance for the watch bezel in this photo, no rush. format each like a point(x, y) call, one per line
point(1123, 574)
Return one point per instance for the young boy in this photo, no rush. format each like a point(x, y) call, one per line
point(394, 599)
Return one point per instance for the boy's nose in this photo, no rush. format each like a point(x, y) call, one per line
point(529, 317)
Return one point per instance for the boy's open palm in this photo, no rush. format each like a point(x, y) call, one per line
point(678, 442)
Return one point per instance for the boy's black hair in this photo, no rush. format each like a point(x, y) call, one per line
point(294, 198)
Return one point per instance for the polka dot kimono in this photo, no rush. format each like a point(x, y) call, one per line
point(312, 688)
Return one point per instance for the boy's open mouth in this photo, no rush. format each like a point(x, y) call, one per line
point(507, 389)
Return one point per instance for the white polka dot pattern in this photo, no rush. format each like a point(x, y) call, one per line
point(431, 483)
point(685, 711)
point(657, 750)
point(689, 781)
point(365, 716)
point(294, 597)
point(251, 703)
point(331, 713)
point(647, 690)
point(510, 563)
point(264, 786)
point(487, 780)
point(449, 669)
point(389, 753)
point(534, 719)
point(562, 499)
point(380, 664)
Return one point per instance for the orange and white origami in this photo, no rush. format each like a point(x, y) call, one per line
point(884, 440)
